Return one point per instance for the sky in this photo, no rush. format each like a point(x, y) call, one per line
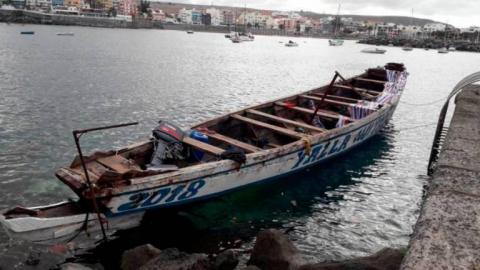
point(460, 13)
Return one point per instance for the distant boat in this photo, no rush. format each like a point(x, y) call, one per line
point(451, 49)
point(443, 50)
point(230, 35)
point(374, 50)
point(336, 41)
point(390, 44)
point(236, 39)
point(65, 34)
point(27, 32)
point(190, 32)
point(407, 48)
point(291, 43)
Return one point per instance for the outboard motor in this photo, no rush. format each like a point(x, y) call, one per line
point(168, 144)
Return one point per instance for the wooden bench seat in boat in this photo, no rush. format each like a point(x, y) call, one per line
point(370, 80)
point(326, 100)
point(285, 120)
point(370, 92)
point(277, 129)
point(119, 164)
point(242, 145)
point(344, 99)
point(216, 151)
point(324, 113)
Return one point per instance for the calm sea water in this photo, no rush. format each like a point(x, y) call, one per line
point(352, 206)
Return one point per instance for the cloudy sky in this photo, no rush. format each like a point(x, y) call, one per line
point(461, 13)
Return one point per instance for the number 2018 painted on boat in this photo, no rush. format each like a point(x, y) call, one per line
point(164, 195)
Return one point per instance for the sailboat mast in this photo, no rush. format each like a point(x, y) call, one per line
point(337, 21)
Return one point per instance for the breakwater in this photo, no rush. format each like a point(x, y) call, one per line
point(424, 43)
point(446, 235)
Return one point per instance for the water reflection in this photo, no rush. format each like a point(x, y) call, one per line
point(232, 221)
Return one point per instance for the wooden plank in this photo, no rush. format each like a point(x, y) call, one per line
point(118, 163)
point(245, 146)
point(346, 99)
point(324, 113)
point(286, 121)
point(331, 101)
point(278, 129)
point(370, 80)
point(357, 89)
point(203, 146)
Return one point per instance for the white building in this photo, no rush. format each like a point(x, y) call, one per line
point(185, 16)
point(471, 29)
point(216, 15)
point(434, 27)
point(33, 4)
point(254, 19)
point(409, 31)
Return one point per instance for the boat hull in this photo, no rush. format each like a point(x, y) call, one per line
point(212, 182)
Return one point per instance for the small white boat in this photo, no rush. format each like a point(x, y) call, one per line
point(390, 44)
point(451, 49)
point(443, 50)
point(65, 34)
point(190, 32)
point(407, 48)
point(178, 167)
point(291, 43)
point(374, 50)
point(335, 42)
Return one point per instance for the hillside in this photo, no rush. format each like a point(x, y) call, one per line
point(170, 8)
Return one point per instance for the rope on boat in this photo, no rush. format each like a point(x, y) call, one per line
point(441, 130)
point(308, 146)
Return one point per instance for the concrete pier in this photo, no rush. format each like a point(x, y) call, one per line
point(447, 234)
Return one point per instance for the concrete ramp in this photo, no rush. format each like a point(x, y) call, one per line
point(447, 234)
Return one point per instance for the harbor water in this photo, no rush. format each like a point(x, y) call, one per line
point(352, 206)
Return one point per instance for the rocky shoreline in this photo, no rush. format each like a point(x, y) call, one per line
point(273, 250)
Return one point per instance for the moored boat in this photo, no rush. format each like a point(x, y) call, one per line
point(233, 151)
point(291, 43)
point(65, 34)
point(190, 32)
point(335, 42)
point(443, 50)
point(374, 50)
point(27, 33)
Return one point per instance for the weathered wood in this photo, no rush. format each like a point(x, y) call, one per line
point(277, 129)
point(331, 101)
point(118, 163)
point(245, 146)
point(324, 113)
point(286, 121)
point(346, 99)
point(203, 146)
point(357, 89)
point(370, 80)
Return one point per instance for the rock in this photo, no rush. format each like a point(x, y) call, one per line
point(226, 260)
point(134, 258)
point(172, 259)
point(273, 250)
point(74, 266)
point(33, 259)
point(385, 259)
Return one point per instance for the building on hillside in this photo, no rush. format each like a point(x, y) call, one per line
point(38, 4)
point(127, 7)
point(228, 17)
point(57, 2)
point(387, 30)
point(196, 17)
point(206, 19)
point(410, 31)
point(216, 16)
point(185, 16)
point(73, 3)
point(158, 15)
point(434, 27)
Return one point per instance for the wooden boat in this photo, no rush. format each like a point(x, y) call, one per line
point(374, 51)
point(27, 33)
point(291, 43)
point(65, 34)
point(243, 148)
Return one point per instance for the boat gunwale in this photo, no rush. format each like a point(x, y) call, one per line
point(156, 181)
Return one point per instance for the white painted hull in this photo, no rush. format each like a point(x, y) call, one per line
point(127, 203)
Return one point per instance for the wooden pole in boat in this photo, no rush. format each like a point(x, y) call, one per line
point(76, 135)
point(325, 94)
